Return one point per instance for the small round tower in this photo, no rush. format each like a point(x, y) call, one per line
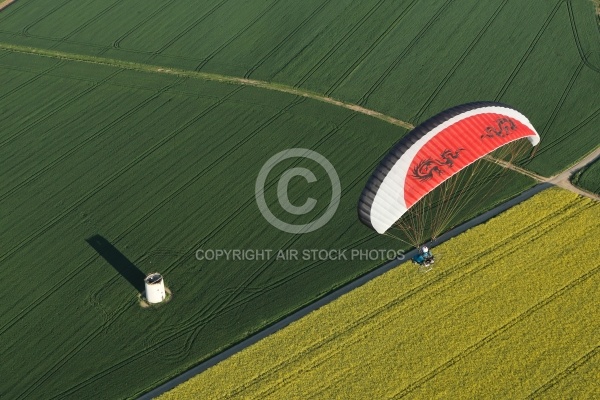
point(155, 288)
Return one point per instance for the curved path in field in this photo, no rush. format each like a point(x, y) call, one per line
point(203, 75)
point(562, 180)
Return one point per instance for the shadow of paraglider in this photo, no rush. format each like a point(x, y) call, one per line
point(119, 262)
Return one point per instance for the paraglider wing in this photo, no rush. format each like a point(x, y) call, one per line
point(433, 152)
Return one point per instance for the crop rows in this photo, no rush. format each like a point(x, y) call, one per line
point(477, 325)
point(146, 161)
point(162, 163)
point(384, 56)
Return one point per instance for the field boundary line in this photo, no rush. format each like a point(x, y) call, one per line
point(326, 299)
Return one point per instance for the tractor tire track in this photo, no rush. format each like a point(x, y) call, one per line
point(205, 76)
point(103, 48)
point(339, 43)
point(562, 99)
point(11, 3)
point(119, 311)
point(70, 354)
point(273, 118)
point(160, 9)
point(504, 328)
point(528, 52)
point(286, 38)
point(371, 48)
point(5, 4)
point(224, 352)
point(424, 289)
point(421, 289)
point(191, 324)
point(548, 145)
point(198, 317)
point(25, 31)
point(188, 29)
point(417, 291)
point(86, 23)
point(104, 183)
point(567, 135)
point(316, 264)
point(460, 60)
point(79, 145)
point(25, 181)
point(568, 371)
point(365, 97)
point(130, 229)
point(229, 303)
point(34, 78)
point(118, 365)
point(580, 49)
point(239, 33)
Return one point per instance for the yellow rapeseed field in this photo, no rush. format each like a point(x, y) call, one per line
point(510, 310)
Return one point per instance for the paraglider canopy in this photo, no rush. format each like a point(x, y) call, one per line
point(434, 152)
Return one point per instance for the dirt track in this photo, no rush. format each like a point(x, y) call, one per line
point(5, 4)
point(562, 179)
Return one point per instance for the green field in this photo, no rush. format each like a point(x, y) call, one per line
point(161, 164)
point(482, 324)
point(159, 167)
point(542, 57)
point(589, 178)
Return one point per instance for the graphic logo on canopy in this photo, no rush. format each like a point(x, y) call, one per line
point(505, 127)
point(424, 169)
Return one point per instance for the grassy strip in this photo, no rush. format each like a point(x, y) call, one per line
point(200, 75)
point(499, 315)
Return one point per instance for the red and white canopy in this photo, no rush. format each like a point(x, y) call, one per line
point(433, 152)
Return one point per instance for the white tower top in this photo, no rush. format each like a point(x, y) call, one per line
point(155, 288)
